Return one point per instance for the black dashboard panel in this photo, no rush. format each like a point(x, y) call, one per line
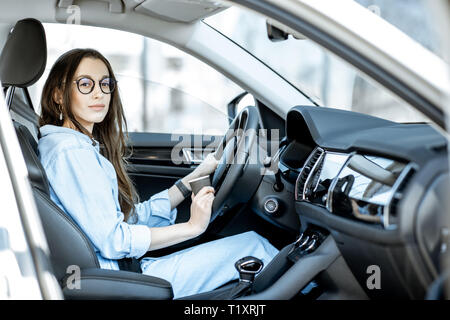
point(347, 131)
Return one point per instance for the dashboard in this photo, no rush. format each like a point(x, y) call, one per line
point(376, 186)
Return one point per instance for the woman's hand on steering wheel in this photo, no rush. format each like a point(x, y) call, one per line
point(207, 167)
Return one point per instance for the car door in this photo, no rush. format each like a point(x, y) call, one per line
point(158, 160)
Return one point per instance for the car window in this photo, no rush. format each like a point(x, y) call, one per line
point(162, 88)
point(321, 75)
point(409, 16)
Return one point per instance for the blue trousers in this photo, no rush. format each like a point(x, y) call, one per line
point(207, 266)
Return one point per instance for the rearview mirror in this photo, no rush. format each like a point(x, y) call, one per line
point(278, 32)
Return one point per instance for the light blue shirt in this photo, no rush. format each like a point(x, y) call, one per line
point(83, 184)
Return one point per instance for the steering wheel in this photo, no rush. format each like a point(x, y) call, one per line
point(233, 153)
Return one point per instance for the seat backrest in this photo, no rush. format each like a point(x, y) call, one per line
point(22, 62)
point(21, 110)
point(67, 242)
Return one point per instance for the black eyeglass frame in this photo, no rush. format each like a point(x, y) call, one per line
point(92, 89)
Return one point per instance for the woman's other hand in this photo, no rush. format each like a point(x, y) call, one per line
point(207, 167)
point(201, 209)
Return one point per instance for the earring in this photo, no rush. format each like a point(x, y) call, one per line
point(60, 113)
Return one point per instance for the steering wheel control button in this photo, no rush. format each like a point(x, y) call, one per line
point(271, 206)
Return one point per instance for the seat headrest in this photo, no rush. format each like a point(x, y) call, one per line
point(24, 56)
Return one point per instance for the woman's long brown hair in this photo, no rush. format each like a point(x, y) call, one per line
point(109, 133)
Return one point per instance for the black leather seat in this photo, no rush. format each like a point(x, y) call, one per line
point(22, 63)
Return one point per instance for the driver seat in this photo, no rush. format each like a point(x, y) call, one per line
point(22, 62)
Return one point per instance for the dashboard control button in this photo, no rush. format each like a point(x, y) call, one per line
point(271, 206)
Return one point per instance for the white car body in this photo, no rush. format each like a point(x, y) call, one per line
point(350, 24)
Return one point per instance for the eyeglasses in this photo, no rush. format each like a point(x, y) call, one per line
point(86, 85)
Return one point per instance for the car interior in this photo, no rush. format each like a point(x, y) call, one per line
point(353, 197)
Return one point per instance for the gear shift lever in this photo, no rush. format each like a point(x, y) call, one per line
point(248, 268)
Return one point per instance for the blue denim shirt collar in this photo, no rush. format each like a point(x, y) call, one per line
point(50, 129)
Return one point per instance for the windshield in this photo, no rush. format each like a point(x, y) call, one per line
point(321, 75)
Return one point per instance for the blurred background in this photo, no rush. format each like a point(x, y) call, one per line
point(165, 90)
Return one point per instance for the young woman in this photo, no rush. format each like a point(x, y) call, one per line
point(82, 149)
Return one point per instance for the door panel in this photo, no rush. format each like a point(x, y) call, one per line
point(158, 160)
point(149, 184)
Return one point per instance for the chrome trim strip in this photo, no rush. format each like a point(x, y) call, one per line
point(331, 154)
point(296, 184)
point(322, 154)
point(10, 96)
point(276, 206)
point(187, 155)
point(329, 203)
point(188, 152)
point(301, 172)
point(386, 211)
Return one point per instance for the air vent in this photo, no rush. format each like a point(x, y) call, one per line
point(304, 177)
point(391, 210)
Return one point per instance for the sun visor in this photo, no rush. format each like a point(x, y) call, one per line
point(180, 10)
